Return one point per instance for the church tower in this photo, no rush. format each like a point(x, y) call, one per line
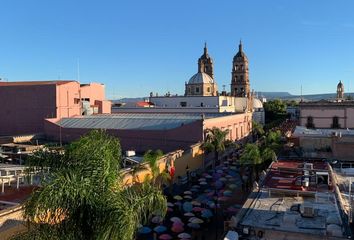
point(240, 83)
point(340, 91)
point(205, 63)
point(202, 83)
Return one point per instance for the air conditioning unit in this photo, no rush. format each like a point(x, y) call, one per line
point(130, 153)
point(308, 166)
point(307, 211)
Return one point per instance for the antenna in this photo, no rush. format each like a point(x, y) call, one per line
point(301, 93)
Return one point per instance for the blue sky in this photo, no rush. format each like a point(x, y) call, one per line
point(135, 47)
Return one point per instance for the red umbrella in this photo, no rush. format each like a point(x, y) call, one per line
point(177, 228)
point(197, 209)
point(165, 237)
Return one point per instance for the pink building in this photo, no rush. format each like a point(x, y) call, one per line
point(25, 105)
point(144, 131)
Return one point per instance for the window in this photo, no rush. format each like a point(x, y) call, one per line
point(202, 104)
point(189, 90)
point(335, 122)
point(241, 78)
point(208, 89)
point(235, 90)
point(197, 89)
point(183, 104)
point(242, 89)
point(241, 67)
point(206, 68)
point(309, 123)
point(236, 67)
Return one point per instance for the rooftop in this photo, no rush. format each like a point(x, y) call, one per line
point(303, 131)
point(142, 121)
point(283, 213)
point(29, 83)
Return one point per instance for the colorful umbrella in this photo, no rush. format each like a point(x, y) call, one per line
point(175, 219)
point(187, 197)
point(165, 237)
point(184, 235)
point(201, 179)
point(232, 186)
point(203, 183)
point(177, 197)
point(197, 209)
point(169, 204)
point(206, 213)
point(193, 225)
point(177, 228)
point(160, 229)
point(144, 230)
point(189, 214)
point(196, 203)
point(196, 220)
point(187, 192)
point(187, 206)
point(157, 219)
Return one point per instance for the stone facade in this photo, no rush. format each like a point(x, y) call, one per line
point(240, 83)
point(202, 83)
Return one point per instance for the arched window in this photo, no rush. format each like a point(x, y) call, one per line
point(208, 89)
point(197, 89)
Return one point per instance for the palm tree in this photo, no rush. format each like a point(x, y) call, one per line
point(83, 197)
point(257, 129)
point(152, 159)
point(215, 140)
point(251, 156)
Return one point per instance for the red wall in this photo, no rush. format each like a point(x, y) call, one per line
point(23, 108)
point(138, 140)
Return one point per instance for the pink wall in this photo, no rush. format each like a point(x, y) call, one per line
point(323, 114)
point(93, 91)
point(23, 108)
point(239, 125)
point(25, 105)
point(139, 140)
point(67, 98)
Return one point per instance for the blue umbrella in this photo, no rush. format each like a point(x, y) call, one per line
point(193, 225)
point(160, 229)
point(144, 230)
point(207, 213)
point(187, 206)
point(218, 184)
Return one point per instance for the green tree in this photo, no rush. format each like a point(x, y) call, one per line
point(83, 197)
point(257, 129)
point(152, 158)
point(251, 156)
point(215, 140)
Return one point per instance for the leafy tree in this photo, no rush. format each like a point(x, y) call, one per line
point(152, 158)
point(273, 140)
point(257, 129)
point(252, 156)
point(83, 197)
point(215, 140)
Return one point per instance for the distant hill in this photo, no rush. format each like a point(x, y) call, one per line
point(125, 100)
point(310, 97)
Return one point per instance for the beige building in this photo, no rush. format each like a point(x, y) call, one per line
point(328, 114)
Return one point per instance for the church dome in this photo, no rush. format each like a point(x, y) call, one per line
point(257, 103)
point(200, 78)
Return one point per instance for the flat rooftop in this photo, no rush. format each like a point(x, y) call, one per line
point(141, 121)
point(288, 174)
point(279, 212)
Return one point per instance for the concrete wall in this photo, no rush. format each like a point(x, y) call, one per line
point(138, 140)
point(343, 148)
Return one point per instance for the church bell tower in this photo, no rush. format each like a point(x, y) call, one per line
point(240, 83)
